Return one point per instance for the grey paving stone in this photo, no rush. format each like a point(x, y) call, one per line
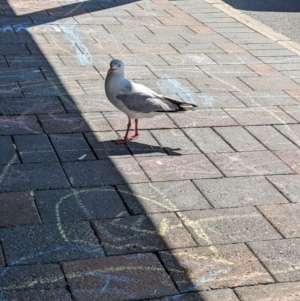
point(280, 257)
point(291, 158)
point(19, 74)
point(249, 163)
point(162, 197)
point(187, 59)
point(284, 217)
point(10, 89)
point(28, 106)
point(265, 98)
point(46, 276)
point(19, 49)
point(172, 168)
point(271, 138)
point(32, 176)
point(174, 142)
point(71, 147)
point(292, 111)
point(280, 59)
point(17, 208)
point(288, 185)
point(68, 123)
point(35, 148)
point(259, 115)
point(239, 192)
point(234, 58)
point(103, 145)
point(223, 84)
point(227, 226)
point(239, 139)
point(33, 61)
point(204, 268)
point(48, 294)
point(197, 48)
point(70, 205)
point(275, 292)
point(64, 241)
point(207, 140)
point(291, 131)
point(8, 154)
point(214, 295)
point(149, 48)
point(227, 70)
point(104, 172)
point(203, 118)
point(14, 125)
point(186, 71)
point(265, 83)
point(150, 59)
point(141, 273)
point(141, 233)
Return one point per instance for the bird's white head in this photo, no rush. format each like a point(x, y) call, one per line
point(116, 67)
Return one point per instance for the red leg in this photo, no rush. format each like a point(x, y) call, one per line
point(120, 140)
point(136, 133)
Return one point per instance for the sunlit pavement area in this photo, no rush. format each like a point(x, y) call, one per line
point(204, 205)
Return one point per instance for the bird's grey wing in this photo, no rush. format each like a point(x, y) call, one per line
point(144, 103)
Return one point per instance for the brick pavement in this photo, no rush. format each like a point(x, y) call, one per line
point(202, 206)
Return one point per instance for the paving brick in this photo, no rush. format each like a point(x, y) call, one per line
point(33, 60)
point(68, 123)
point(118, 121)
point(203, 118)
point(207, 140)
point(162, 197)
point(87, 103)
point(141, 48)
point(294, 93)
point(47, 294)
point(284, 217)
point(292, 111)
point(8, 154)
point(103, 145)
point(275, 292)
point(140, 272)
point(212, 100)
point(104, 172)
point(226, 192)
point(264, 70)
point(187, 59)
point(91, 85)
point(46, 276)
point(266, 83)
point(141, 233)
point(271, 138)
point(234, 58)
point(64, 241)
point(291, 131)
point(200, 28)
point(280, 257)
point(219, 71)
point(205, 268)
point(17, 208)
point(288, 186)
point(259, 115)
point(290, 158)
point(146, 145)
point(19, 74)
point(13, 125)
point(265, 98)
point(32, 176)
point(225, 226)
point(196, 48)
point(249, 163)
point(174, 140)
point(231, 47)
point(10, 89)
point(186, 71)
point(178, 168)
point(71, 205)
point(239, 139)
point(71, 147)
point(35, 148)
point(52, 88)
point(280, 59)
point(214, 295)
point(49, 49)
point(2, 263)
point(227, 84)
point(27, 106)
point(19, 49)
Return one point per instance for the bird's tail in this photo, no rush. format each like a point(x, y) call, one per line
point(183, 106)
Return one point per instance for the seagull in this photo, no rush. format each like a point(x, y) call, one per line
point(136, 100)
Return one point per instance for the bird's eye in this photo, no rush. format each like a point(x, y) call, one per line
point(119, 65)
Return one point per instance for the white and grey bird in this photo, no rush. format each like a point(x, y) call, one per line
point(135, 100)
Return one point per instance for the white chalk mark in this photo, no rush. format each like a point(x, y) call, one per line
point(82, 157)
point(208, 101)
point(84, 57)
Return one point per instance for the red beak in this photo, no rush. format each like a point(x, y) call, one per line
point(110, 70)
